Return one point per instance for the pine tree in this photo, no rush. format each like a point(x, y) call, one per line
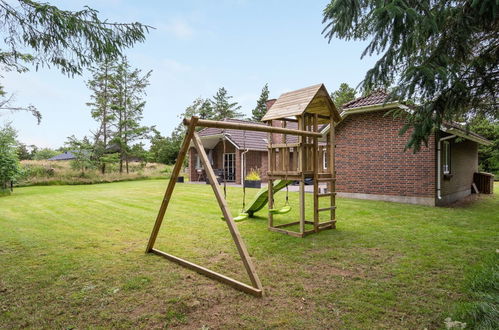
point(222, 107)
point(261, 104)
point(343, 95)
point(442, 55)
point(102, 99)
point(128, 105)
point(42, 35)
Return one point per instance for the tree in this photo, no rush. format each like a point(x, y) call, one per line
point(6, 103)
point(129, 87)
point(488, 156)
point(165, 149)
point(101, 101)
point(44, 153)
point(82, 151)
point(143, 155)
point(9, 162)
point(442, 55)
point(42, 35)
point(261, 104)
point(25, 152)
point(343, 95)
point(222, 107)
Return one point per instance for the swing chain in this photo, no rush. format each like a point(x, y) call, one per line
point(223, 164)
point(244, 172)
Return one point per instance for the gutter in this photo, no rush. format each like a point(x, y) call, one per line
point(439, 166)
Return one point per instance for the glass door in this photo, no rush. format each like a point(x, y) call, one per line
point(230, 167)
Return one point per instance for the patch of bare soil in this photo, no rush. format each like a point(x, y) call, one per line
point(466, 201)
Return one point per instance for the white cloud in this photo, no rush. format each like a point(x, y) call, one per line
point(179, 28)
point(174, 66)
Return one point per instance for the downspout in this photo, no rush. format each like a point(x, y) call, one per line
point(242, 165)
point(439, 164)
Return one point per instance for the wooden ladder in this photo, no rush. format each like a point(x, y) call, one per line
point(331, 208)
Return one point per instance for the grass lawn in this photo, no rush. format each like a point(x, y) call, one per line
point(73, 257)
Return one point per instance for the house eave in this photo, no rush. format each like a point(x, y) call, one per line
point(206, 138)
point(462, 134)
point(364, 109)
point(374, 107)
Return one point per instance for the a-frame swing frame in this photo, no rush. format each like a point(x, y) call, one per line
point(256, 287)
point(191, 136)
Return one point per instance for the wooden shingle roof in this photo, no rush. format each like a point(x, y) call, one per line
point(313, 99)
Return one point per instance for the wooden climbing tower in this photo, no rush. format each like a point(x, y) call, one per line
point(295, 152)
point(304, 157)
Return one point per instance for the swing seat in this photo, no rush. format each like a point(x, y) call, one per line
point(242, 216)
point(283, 210)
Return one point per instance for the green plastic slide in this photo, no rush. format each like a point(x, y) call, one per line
point(261, 197)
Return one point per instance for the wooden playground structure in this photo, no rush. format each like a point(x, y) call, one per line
point(293, 154)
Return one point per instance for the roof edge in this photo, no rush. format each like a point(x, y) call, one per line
point(461, 133)
point(373, 107)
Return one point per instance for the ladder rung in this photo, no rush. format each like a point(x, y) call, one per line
point(326, 208)
point(327, 223)
point(326, 194)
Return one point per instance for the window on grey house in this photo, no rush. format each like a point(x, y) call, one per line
point(446, 164)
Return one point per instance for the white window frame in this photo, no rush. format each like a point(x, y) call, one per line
point(227, 168)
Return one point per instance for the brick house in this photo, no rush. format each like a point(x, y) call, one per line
point(370, 159)
point(371, 162)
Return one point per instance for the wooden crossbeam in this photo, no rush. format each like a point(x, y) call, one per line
point(250, 127)
point(211, 274)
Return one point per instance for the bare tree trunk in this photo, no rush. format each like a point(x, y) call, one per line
point(104, 119)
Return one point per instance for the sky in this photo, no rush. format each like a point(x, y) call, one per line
point(196, 47)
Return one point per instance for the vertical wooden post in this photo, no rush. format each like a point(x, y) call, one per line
point(332, 170)
point(316, 152)
point(270, 183)
point(171, 184)
point(302, 162)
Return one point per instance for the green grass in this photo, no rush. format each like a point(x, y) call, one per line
point(480, 310)
point(73, 257)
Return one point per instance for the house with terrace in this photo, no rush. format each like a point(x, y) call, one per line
point(371, 160)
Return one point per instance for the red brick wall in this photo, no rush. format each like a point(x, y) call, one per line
point(370, 158)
